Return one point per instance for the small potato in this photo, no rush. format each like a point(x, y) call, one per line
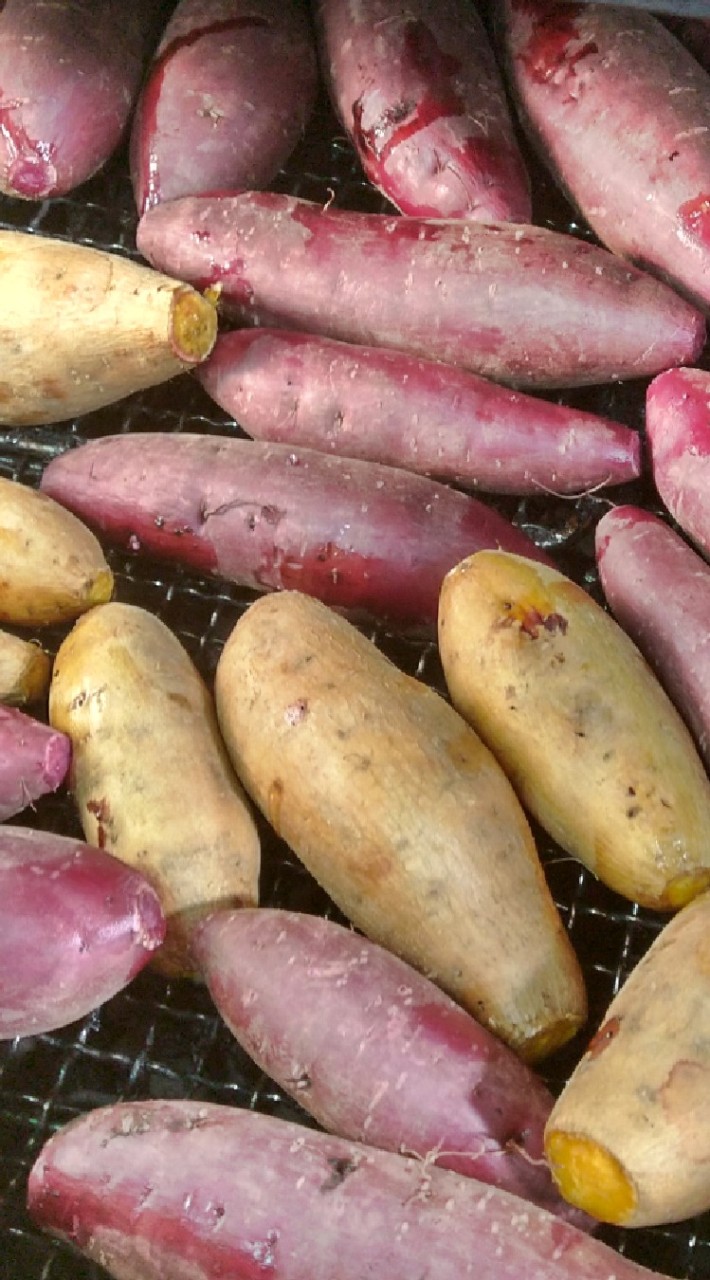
point(589, 739)
point(25, 670)
point(53, 567)
point(399, 811)
point(149, 771)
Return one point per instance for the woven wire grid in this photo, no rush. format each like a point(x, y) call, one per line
point(161, 1039)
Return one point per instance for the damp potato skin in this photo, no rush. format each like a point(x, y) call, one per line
point(638, 1092)
point(53, 567)
point(419, 92)
point(678, 431)
point(618, 108)
point(403, 411)
point(76, 926)
point(374, 1051)
point(516, 303)
point(528, 656)
point(143, 727)
point(234, 1191)
point(228, 95)
point(400, 813)
point(34, 760)
point(25, 670)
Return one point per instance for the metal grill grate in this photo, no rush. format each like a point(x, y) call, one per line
point(160, 1039)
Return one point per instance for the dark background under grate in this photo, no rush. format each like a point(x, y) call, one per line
point(164, 1040)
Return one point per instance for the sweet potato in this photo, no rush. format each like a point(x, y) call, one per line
point(518, 304)
point(70, 71)
point(619, 110)
point(366, 402)
point(227, 98)
point(25, 669)
point(401, 814)
point(81, 328)
point(53, 568)
point(627, 1138)
point(659, 591)
point(365, 537)
point(590, 740)
point(75, 927)
point(34, 760)
point(418, 90)
point(143, 727)
point(374, 1051)
point(160, 1190)
point(678, 431)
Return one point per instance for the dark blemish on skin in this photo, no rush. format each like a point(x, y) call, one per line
point(342, 1167)
point(601, 1041)
point(296, 712)
point(301, 1082)
point(633, 811)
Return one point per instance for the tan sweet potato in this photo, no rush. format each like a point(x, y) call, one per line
point(25, 669)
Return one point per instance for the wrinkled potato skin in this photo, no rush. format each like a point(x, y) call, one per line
point(53, 567)
point(25, 670)
point(590, 741)
point(150, 774)
point(400, 813)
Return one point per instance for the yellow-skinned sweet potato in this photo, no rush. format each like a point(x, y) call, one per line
point(25, 670)
point(399, 811)
point(591, 742)
point(149, 771)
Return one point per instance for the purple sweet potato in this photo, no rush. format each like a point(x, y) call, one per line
point(619, 109)
point(34, 760)
point(518, 304)
point(229, 94)
point(70, 71)
point(354, 534)
point(376, 1052)
point(659, 590)
point(75, 927)
point(678, 429)
point(417, 88)
point(387, 406)
point(161, 1190)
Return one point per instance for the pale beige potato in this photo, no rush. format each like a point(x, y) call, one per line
point(150, 774)
point(591, 742)
point(627, 1139)
point(25, 670)
point(52, 567)
point(81, 328)
point(402, 815)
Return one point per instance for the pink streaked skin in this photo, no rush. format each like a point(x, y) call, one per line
point(419, 92)
point(34, 760)
point(69, 71)
point(367, 402)
point(375, 1052)
point(678, 430)
point(356, 535)
point(659, 591)
point(163, 1190)
point(76, 926)
point(619, 109)
point(227, 98)
point(518, 304)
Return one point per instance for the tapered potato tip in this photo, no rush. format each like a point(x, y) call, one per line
point(194, 325)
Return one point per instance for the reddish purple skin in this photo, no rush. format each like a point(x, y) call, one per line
point(163, 1190)
point(418, 90)
point(354, 534)
point(76, 926)
point(619, 110)
point(228, 96)
point(659, 591)
point(386, 406)
point(69, 73)
point(34, 760)
point(374, 1051)
point(678, 431)
point(516, 304)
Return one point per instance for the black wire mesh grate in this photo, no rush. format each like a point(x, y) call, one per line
point(164, 1039)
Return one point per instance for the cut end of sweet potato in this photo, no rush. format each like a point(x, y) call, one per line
point(100, 588)
point(193, 325)
point(551, 1038)
point(590, 1177)
point(683, 889)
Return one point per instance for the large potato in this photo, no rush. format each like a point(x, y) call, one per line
point(591, 742)
point(401, 813)
point(149, 771)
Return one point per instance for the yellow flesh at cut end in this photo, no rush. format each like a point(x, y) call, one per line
point(590, 1177)
point(683, 889)
point(100, 588)
point(545, 1042)
point(193, 325)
